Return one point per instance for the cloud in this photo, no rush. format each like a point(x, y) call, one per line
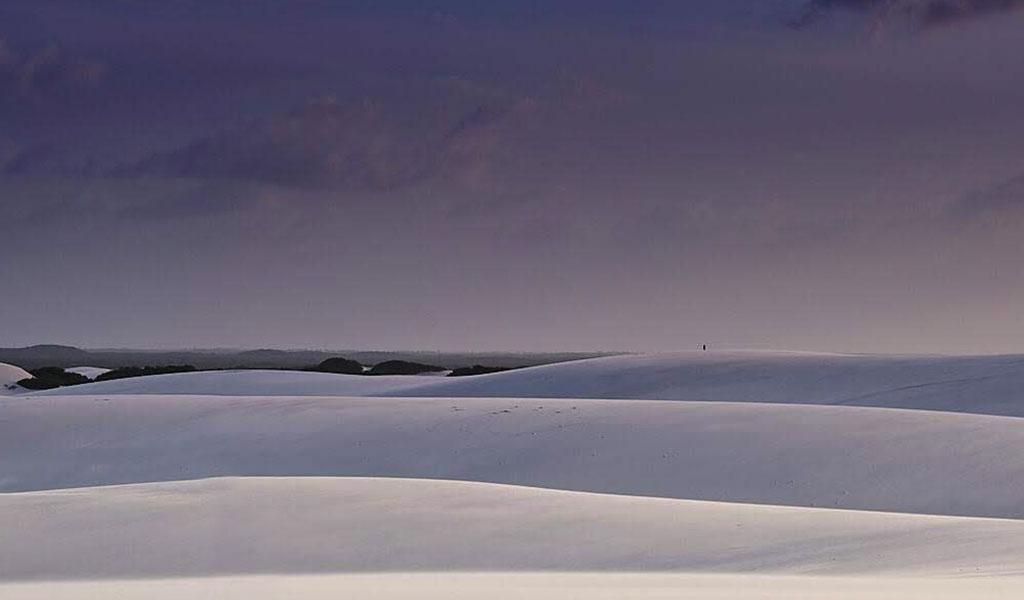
point(327, 143)
point(920, 13)
point(43, 159)
point(9, 152)
point(34, 75)
point(1000, 200)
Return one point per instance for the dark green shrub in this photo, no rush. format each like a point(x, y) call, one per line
point(477, 370)
point(402, 367)
point(338, 364)
point(48, 378)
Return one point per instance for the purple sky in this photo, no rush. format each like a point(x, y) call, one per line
point(648, 175)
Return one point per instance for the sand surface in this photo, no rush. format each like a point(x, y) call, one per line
point(981, 385)
point(734, 476)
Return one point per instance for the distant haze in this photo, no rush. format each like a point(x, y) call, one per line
point(455, 175)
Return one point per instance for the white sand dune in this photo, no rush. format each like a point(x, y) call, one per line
point(253, 382)
point(800, 455)
point(975, 384)
point(10, 375)
point(90, 372)
point(408, 487)
point(981, 385)
point(338, 525)
point(525, 586)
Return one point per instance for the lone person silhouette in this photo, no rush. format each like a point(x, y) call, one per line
point(705, 347)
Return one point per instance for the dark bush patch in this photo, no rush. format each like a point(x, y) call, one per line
point(34, 383)
point(48, 378)
point(402, 367)
point(477, 370)
point(338, 364)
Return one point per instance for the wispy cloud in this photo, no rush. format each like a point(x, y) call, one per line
point(328, 143)
point(921, 13)
point(999, 200)
point(32, 75)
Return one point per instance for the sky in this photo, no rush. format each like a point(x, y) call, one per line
point(834, 175)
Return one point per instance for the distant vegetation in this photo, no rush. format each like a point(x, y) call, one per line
point(403, 367)
point(477, 370)
point(340, 365)
point(48, 378)
point(126, 372)
point(33, 357)
point(346, 366)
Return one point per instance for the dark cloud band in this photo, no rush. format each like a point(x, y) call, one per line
point(924, 13)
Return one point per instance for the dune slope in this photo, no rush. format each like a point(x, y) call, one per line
point(672, 472)
point(800, 455)
point(248, 383)
point(9, 376)
point(984, 385)
point(90, 372)
point(980, 385)
point(338, 525)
